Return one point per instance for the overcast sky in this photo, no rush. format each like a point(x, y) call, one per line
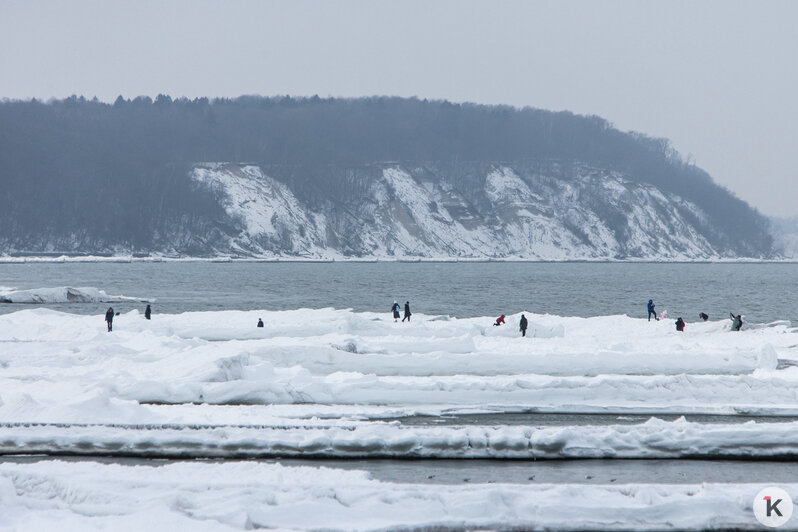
point(717, 78)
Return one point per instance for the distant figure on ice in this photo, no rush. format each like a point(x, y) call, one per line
point(680, 324)
point(147, 312)
point(260, 323)
point(109, 318)
point(737, 321)
point(407, 311)
point(524, 325)
point(651, 310)
point(395, 310)
point(664, 315)
point(704, 316)
point(499, 321)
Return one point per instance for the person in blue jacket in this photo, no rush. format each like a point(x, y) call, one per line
point(651, 310)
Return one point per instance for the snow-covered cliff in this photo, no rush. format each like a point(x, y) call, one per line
point(367, 177)
point(537, 212)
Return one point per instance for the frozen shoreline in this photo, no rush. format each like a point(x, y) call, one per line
point(212, 385)
point(28, 259)
point(59, 367)
point(245, 495)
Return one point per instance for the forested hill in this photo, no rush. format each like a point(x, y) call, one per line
point(311, 177)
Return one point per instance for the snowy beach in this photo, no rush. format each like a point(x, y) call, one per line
point(347, 420)
point(332, 383)
point(60, 367)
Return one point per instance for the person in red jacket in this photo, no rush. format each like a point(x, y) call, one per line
point(499, 321)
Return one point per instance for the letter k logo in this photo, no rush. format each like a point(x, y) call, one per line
point(772, 506)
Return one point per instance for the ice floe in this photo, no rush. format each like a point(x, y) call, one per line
point(218, 368)
point(336, 383)
point(328, 356)
point(62, 294)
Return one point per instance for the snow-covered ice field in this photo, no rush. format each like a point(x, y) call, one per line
point(194, 367)
point(244, 495)
point(338, 383)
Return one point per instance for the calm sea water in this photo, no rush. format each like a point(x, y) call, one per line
point(761, 292)
point(447, 471)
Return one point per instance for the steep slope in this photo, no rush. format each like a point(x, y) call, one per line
point(519, 212)
point(266, 211)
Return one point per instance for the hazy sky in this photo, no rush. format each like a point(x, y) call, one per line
point(718, 78)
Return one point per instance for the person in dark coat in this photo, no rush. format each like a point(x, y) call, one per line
point(499, 321)
point(407, 311)
point(109, 318)
point(737, 321)
point(260, 322)
point(704, 316)
point(524, 325)
point(395, 310)
point(147, 312)
point(651, 310)
point(680, 324)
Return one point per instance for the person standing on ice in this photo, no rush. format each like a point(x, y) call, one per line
point(109, 318)
point(524, 324)
point(147, 312)
point(651, 310)
point(395, 310)
point(737, 321)
point(407, 311)
point(680, 324)
point(260, 323)
point(499, 321)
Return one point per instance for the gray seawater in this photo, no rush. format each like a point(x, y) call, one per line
point(447, 471)
point(762, 292)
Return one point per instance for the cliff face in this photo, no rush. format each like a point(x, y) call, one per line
point(530, 211)
point(367, 177)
